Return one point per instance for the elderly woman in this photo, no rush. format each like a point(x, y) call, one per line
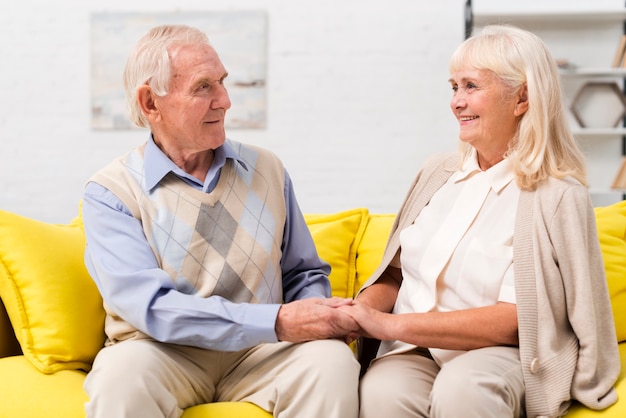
point(491, 299)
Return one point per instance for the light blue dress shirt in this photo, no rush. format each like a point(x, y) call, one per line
point(123, 266)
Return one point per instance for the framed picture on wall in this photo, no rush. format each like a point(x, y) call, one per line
point(239, 37)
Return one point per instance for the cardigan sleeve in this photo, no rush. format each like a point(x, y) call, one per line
point(576, 244)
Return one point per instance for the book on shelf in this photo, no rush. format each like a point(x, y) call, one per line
point(624, 60)
point(620, 55)
point(620, 180)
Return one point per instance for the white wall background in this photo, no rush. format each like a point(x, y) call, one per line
point(357, 98)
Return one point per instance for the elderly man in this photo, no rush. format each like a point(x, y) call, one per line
point(211, 282)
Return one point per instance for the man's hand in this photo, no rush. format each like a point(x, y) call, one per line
point(315, 319)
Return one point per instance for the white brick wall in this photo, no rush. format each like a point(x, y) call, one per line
point(357, 98)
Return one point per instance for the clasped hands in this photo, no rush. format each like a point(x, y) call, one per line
point(317, 318)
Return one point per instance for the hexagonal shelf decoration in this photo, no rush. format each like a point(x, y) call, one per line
point(599, 105)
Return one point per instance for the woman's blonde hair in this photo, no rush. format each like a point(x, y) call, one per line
point(149, 63)
point(544, 145)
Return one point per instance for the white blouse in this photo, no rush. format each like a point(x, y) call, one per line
point(458, 253)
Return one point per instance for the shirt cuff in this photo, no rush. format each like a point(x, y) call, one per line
point(260, 323)
point(507, 294)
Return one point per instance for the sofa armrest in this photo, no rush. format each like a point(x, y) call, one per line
point(8, 343)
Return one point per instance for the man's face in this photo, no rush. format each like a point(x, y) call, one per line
point(190, 117)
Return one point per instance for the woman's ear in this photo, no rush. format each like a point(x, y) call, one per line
point(146, 101)
point(522, 102)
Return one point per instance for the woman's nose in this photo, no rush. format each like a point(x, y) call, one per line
point(458, 101)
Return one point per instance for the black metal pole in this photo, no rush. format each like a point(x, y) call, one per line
point(469, 19)
point(623, 119)
point(623, 90)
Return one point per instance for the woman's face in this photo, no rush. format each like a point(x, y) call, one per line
point(488, 111)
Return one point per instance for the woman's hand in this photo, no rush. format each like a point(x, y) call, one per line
point(372, 323)
point(465, 329)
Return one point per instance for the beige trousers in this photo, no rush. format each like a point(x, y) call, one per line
point(481, 383)
point(141, 378)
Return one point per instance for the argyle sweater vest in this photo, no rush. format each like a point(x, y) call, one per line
point(227, 242)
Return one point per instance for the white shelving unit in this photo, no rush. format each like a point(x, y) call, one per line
point(586, 36)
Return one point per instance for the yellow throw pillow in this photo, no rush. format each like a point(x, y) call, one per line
point(372, 247)
point(336, 238)
point(54, 306)
point(611, 222)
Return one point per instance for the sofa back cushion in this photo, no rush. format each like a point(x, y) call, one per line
point(54, 306)
point(337, 237)
point(372, 246)
point(611, 223)
point(56, 310)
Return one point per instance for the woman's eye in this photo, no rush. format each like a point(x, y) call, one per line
point(466, 87)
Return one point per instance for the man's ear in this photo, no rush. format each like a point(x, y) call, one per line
point(146, 101)
point(522, 102)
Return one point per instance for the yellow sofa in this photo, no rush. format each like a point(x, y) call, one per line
point(51, 317)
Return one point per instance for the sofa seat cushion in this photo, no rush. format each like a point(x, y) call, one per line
point(617, 410)
point(54, 306)
point(28, 393)
point(226, 409)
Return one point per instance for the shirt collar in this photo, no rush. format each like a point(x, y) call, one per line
point(498, 176)
point(157, 165)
